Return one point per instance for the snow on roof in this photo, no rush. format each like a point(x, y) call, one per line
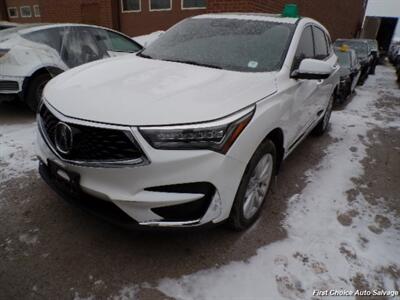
point(249, 16)
point(39, 26)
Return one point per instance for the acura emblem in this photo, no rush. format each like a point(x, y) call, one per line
point(63, 138)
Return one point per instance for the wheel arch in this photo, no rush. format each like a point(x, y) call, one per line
point(51, 70)
point(277, 137)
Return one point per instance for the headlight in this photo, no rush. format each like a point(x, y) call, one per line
point(216, 135)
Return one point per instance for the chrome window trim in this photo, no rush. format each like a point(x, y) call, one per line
point(142, 161)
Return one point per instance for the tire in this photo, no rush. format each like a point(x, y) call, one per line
point(363, 77)
point(372, 70)
point(323, 124)
point(35, 90)
point(341, 97)
point(254, 187)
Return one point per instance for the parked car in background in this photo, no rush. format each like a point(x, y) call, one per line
point(374, 52)
point(393, 51)
point(396, 62)
point(350, 71)
point(6, 25)
point(191, 130)
point(364, 55)
point(30, 55)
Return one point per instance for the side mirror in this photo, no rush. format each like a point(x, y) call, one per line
point(312, 69)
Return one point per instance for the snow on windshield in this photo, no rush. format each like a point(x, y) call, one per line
point(231, 44)
point(343, 57)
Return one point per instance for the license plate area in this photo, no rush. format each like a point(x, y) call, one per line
point(65, 180)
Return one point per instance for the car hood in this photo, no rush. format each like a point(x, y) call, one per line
point(131, 90)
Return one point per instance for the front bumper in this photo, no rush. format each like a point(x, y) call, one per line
point(140, 192)
point(10, 87)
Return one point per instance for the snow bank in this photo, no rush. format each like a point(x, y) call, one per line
point(320, 253)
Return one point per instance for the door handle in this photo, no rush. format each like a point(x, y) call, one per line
point(319, 81)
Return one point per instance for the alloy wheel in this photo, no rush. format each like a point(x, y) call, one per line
point(257, 187)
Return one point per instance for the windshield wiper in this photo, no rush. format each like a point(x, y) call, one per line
point(189, 62)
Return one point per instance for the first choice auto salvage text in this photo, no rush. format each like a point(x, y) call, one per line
point(376, 292)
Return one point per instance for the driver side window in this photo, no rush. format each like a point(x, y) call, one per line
point(305, 49)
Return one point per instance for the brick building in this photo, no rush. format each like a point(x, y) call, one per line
point(343, 18)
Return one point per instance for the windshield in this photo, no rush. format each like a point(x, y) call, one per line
point(344, 58)
point(230, 44)
point(360, 47)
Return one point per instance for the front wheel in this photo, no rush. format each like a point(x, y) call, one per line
point(322, 125)
point(35, 90)
point(254, 187)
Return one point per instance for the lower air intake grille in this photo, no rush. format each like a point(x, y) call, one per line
point(6, 85)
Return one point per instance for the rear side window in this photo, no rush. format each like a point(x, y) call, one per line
point(321, 45)
point(50, 37)
point(305, 49)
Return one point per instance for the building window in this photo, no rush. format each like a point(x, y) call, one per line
point(25, 11)
point(194, 4)
point(36, 11)
point(13, 12)
point(160, 5)
point(130, 5)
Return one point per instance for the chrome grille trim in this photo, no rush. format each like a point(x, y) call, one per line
point(143, 160)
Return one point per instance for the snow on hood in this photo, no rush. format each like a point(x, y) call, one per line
point(131, 90)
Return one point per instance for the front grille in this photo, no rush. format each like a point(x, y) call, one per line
point(7, 85)
point(91, 144)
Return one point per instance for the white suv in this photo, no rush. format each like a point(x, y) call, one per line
point(191, 130)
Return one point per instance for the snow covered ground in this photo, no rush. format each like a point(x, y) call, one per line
point(331, 243)
point(17, 151)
